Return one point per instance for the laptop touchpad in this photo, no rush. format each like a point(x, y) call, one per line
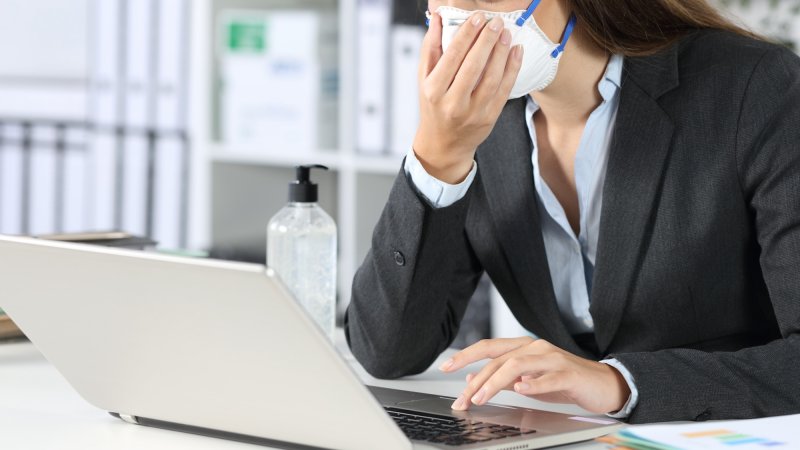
point(441, 405)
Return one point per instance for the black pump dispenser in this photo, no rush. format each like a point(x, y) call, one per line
point(302, 190)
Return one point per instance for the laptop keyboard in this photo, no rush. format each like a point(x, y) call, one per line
point(450, 430)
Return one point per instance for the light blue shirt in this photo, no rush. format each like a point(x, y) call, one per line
point(571, 258)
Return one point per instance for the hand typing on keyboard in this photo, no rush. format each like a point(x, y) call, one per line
point(540, 370)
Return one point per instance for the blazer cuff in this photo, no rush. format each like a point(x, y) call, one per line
point(626, 410)
point(438, 193)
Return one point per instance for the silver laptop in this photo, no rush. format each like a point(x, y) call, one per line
point(222, 349)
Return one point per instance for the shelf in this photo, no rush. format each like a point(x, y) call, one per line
point(380, 165)
point(223, 154)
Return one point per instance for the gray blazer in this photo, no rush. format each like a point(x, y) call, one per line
point(697, 278)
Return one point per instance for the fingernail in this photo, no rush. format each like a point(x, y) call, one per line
point(505, 38)
point(518, 52)
point(469, 377)
point(522, 386)
point(496, 24)
point(446, 365)
point(477, 19)
point(459, 403)
point(477, 398)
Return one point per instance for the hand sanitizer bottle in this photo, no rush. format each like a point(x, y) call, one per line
point(301, 249)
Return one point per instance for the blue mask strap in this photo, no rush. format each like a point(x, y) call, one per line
point(528, 13)
point(567, 33)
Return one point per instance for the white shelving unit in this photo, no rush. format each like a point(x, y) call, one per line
point(236, 190)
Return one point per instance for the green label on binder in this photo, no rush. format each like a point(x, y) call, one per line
point(247, 37)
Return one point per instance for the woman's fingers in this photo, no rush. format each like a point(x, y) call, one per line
point(496, 377)
point(475, 63)
point(496, 101)
point(431, 47)
point(485, 349)
point(442, 76)
point(510, 386)
point(496, 68)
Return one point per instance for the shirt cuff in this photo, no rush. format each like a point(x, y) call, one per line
point(633, 399)
point(438, 193)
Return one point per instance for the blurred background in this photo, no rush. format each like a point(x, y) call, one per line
point(182, 120)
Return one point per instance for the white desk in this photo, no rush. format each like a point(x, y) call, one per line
point(40, 411)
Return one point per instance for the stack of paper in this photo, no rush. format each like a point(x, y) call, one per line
point(772, 432)
point(8, 330)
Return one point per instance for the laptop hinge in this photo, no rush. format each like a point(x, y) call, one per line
point(130, 419)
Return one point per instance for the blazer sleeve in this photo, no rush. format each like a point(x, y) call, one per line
point(412, 290)
point(681, 384)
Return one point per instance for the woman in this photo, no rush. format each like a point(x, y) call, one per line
point(639, 212)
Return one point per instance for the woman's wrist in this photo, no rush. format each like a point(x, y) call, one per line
point(621, 390)
point(449, 170)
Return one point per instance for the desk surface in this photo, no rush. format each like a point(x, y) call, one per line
point(40, 411)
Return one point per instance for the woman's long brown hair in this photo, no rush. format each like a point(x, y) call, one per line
point(643, 27)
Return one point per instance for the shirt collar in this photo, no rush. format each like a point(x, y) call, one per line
point(608, 86)
point(612, 80)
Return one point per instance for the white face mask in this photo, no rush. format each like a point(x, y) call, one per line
point(541, 57)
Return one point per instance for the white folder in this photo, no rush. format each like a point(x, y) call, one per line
point(372, 59)
point(134, 185)
point(169, 182)
point(42, 181)
point(171, 71)
point(140, 44)
point(139, 98)
point(75, 201)
point(11, 180)
point(406, 48)
point(102, 180)
point(104, 68)
point(170, 121)
point(106, 111)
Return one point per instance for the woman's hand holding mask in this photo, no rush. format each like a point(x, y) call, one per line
point(462, 93)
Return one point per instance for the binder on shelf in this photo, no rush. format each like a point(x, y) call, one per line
point(42, 181)
point(372, 61)
point(168, 187)
point(103, 179)
point(11, 179)
point(140, 42)
point(172, 16)
point(166, 199)
point(73, 214)
point(406, 48)
point(109, 21)
point(105, 65)
point(328, 54)
point(102, 169)
point(132, 197)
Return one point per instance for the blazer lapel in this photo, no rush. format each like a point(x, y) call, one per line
point(638, 153)
point(504, 161)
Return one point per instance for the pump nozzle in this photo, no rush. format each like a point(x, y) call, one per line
point(302, 190)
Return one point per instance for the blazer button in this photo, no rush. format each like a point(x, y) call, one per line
point(399, 259)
